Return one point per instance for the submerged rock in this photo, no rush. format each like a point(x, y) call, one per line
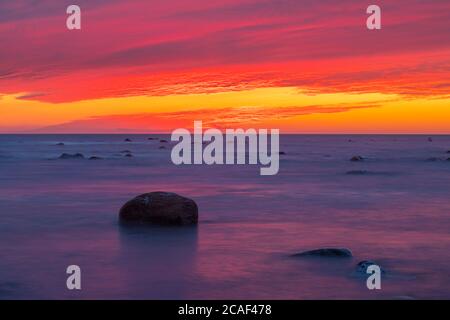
point(362, 266)
point(163, 208)
point(125, 151)
point(163, 141)
point(60, 144)
point(356, 158)
point(357, 172)
point(128, 155)
point(127, 140)
point(326, 252)
point(430, 139)
point(71, 156)
point(282, 153)
point(95, 158)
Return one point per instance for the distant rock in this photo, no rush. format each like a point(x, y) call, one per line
point(127, 140)
point(150, 138)
point(356, 158)
point(448, 152)
point(163, 141)
point(128, 155)
point(282, 153)
point(357, 172)
point(71, 156)
point(163, 208)
point(430, 139)
point(362, 266)
point(95, 158)
point(125, 151)
point(326, 252)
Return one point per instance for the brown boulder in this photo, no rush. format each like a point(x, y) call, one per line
point(164, 208)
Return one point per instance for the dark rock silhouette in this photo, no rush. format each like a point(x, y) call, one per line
point(357, 172)
point(163, 208)
point(95, 158)
point(127, 140)
point(362, 266)
point(326, 252)
point(163, 141)
point(430, 139)
point(356, 158)
point(125, 151)
point(282, 153)
point(128, 155)
point(71, 156)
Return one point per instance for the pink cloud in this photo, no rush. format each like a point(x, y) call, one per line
point(138, 47)
point(166, 122)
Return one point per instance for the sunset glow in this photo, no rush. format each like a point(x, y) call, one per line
point(303, 67)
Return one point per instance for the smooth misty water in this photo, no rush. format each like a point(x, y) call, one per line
point(54, 213)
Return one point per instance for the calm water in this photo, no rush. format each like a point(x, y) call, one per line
point(54, 213)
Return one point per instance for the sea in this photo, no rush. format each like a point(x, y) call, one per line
point(391, 208)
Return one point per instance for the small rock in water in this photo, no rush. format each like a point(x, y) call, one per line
point(357, 172)
point(362, 266)
point(71, 156)
point(125, 151)
point(150, 138)
point(127, 140)
point(163, 208)
point(448, 152)
point(430, 139)
point(282, 153)
point(357, 158)
point(326, 252)
point(60, 144)
point(163, 141)
point(128, 155)
point(95, 158)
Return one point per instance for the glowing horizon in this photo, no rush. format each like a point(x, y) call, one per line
point(300, 66)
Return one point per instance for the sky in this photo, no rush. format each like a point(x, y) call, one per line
point(301, 66)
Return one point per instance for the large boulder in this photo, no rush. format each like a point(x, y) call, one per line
point(326, 252)
point(164, 208)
